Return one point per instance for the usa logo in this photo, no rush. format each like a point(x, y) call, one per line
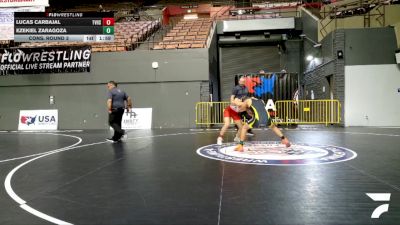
point(274, 153)
point(28, 120)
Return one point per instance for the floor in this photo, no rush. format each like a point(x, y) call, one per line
point(156, 177)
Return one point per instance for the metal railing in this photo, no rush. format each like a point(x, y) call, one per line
point(210, 113)
point(287, 112)
point(307, 112)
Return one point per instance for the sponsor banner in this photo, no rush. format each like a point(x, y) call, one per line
point(139, 118)
point(70, 59)
point(6, 26)
point(25, 9)
point(7, 20)
point(275, 85)
point(21, 3)
point(38, 119)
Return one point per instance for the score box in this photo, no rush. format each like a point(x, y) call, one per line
point(108, 30)
point(108, 22)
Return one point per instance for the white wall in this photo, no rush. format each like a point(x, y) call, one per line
point(371, 95)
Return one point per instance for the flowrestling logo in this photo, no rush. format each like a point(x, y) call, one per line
point(274, 153)
point(379, 197)
point(38, 120)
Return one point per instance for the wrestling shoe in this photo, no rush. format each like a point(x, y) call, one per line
point(250, 133)
point(239, 148)
point(219, 140)
point(111, 140)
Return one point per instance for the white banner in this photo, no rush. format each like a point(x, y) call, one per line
point(7, 20)
point(6, 25)
point(19, 3)
point(139, 118)
point(38, 119)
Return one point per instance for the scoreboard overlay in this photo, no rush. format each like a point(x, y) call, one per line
point(77, 27)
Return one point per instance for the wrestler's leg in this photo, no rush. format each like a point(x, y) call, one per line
point(279, 133)
point(239, 125)
point(227, 122)
point(243, 132)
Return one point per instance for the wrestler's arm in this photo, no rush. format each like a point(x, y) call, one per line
point(236, 101)
point(233, 99)
point(243, 105)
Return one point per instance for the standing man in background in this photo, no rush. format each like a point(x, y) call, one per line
point(117, 102)
point(240, 91)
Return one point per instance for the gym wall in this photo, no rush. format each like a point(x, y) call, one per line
point(172, 90)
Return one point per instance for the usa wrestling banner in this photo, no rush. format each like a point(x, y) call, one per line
point(22, 3)
point(7, 20)
point(38, 119)
point(72, 59)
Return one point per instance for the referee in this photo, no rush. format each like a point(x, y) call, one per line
point(117, 102)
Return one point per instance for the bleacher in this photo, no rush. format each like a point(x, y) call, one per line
point(187, 34)
point(127, 37)
point(4, 44)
